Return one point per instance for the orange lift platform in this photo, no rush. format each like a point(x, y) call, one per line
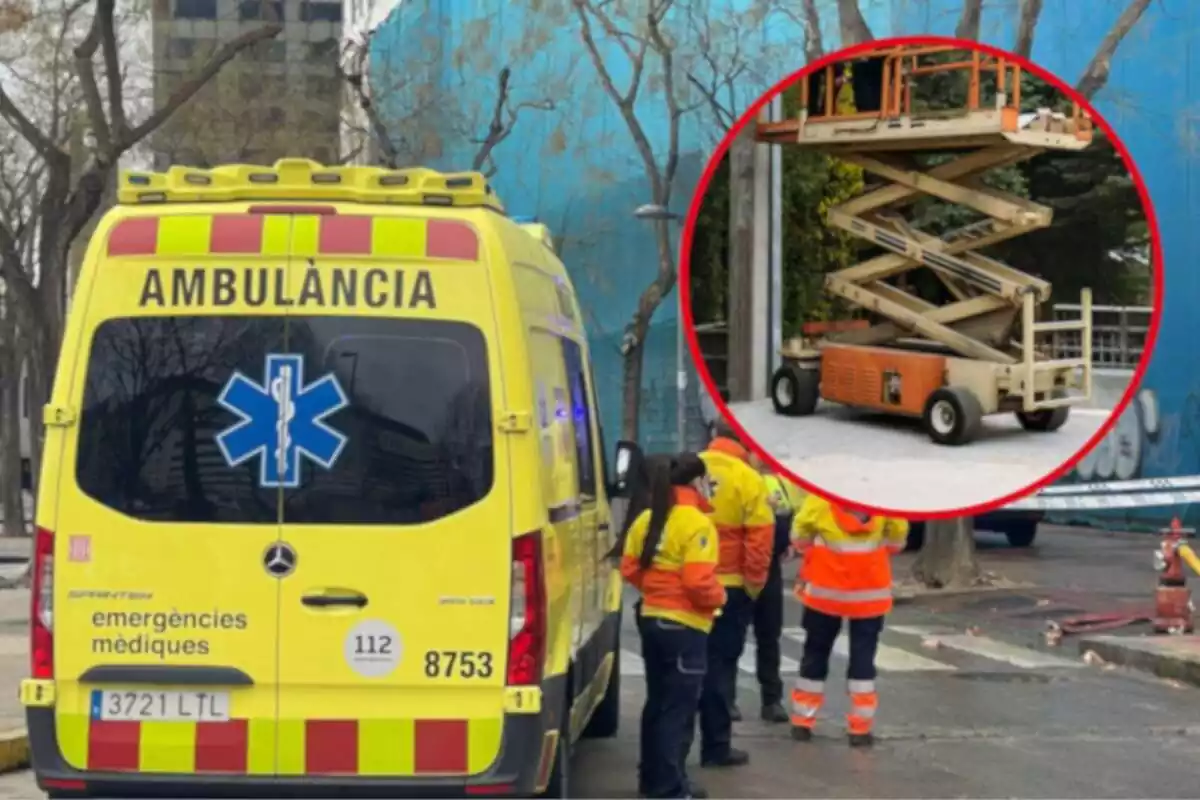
point(984, 352)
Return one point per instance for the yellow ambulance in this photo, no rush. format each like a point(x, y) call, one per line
point(323, 502)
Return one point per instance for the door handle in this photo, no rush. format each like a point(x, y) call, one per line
point(334, 598)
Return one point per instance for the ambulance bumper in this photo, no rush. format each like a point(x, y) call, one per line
point(512, 775)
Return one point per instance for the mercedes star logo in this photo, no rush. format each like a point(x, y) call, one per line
point(280, 559)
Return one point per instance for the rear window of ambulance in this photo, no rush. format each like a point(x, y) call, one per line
point(413, 442)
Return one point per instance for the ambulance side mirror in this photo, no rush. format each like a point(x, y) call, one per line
point(628, 456)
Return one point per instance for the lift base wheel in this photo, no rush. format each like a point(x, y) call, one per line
point(1046, 420)
point(952, 416)
point(795, 390)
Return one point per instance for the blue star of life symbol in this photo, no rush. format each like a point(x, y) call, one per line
point(281, 420)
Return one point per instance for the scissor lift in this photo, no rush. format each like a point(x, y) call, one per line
point(983, 352)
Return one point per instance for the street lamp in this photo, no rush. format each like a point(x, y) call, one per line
point(656, 212)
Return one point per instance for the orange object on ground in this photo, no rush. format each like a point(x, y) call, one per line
point(1172, 598)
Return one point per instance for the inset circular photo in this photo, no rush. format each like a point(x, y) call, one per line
point(903, 277)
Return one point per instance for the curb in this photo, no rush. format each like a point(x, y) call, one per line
point(14, 750)
point(908, 594)
point(1143, 653)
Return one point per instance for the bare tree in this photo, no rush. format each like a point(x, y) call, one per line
point(411, 118)
point(85, 89)
point(1031, 10)
point(639, 40)
point(852, 24)
point(969, 20)
point(1096, 73)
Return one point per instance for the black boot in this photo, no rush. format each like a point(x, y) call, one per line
point(733, 758)
point(775, 712)
point(861, 740)
point(801, 733)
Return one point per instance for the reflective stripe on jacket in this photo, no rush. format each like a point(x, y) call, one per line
point(743, 516)
point(846, 567)
point(681, 583)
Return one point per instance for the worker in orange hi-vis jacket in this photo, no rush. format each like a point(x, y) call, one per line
point(746, 530)
point(845, 574)
point(669, 555)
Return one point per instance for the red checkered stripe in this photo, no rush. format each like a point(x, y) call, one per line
point(307, 747)
point(338, 234)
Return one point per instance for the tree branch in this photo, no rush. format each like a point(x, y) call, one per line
point(814, 48)
point(504, 119)
point(969, 20)
point(851, 23)
point(1026, 26)
point(724, 117)
point(219, 59)
point(1096, 74)
point(86, 72)
point(666, 55)
point(624, 102)
point(112, 71)
point(29, 131)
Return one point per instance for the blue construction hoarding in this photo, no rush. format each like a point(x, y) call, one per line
point(571, 161)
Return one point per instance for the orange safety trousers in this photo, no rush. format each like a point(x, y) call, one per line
point(808, 693)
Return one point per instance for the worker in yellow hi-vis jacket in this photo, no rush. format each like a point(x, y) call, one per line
point(767, 616)
point(746, 530)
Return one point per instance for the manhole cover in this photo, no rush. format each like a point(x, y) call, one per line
point(1004, 677)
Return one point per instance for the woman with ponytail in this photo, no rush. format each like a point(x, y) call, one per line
point(670, 557)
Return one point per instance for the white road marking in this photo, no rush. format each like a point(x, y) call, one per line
point(632, 663)
point(887, 658)
point(1023, 657)
point(748, 665)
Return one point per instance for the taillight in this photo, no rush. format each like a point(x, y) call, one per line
point(41, 645)
point(527, 617)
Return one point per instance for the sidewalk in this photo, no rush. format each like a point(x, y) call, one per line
point(1173, 657)
point(14, 665)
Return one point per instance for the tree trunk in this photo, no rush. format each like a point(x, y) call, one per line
point(947, 559)
point(634, 347)
point(10, 437)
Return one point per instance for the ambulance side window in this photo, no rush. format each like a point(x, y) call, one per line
point(581, 417)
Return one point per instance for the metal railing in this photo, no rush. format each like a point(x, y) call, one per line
point(1118, 335)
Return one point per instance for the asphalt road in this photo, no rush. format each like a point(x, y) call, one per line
point(889, 462)
point(973, 702)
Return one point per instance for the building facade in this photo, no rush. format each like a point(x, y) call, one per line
point(282, 97)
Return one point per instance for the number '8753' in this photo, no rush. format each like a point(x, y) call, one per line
point(458, 664)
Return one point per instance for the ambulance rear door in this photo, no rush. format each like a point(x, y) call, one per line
point(395, 622)
point(165, 618)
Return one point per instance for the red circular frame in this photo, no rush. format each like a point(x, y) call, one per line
point(685, 291)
